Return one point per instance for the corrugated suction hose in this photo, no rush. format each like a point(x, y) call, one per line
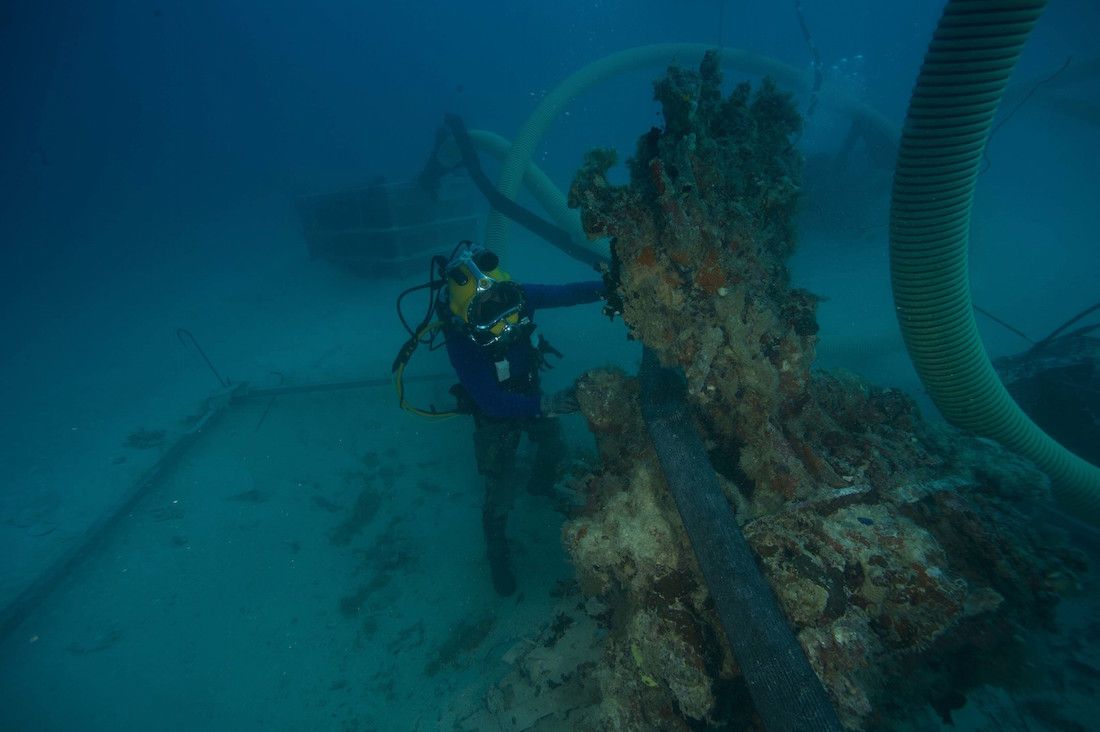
point(974, 49)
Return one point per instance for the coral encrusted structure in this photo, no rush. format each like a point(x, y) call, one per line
point(900, 553)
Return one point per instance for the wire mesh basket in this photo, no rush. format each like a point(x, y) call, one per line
point(388, 228)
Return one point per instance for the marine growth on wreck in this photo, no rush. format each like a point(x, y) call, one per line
point(900, 553)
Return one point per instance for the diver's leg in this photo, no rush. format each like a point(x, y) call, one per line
point(495, 443)
point(550, 451)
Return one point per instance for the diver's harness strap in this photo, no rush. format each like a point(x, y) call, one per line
point(518, 382)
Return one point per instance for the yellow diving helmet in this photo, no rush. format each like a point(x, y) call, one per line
point(483, 296)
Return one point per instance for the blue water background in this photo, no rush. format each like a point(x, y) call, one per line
point(151, 154)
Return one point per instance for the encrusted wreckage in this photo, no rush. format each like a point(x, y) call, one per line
point(899, 552)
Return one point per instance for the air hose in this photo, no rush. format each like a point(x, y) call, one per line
point(974, 49)
point(551, 232)
point(539, 185)
point(785, 690)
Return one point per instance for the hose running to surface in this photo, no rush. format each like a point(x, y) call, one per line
point(972, 54)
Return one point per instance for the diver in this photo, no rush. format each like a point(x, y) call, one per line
point(487, 322)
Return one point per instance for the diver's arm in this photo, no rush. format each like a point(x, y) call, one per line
point(558, 296)
point(478, 376)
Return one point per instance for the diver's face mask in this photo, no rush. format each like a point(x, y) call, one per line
point(496, 314)
point(485, 299)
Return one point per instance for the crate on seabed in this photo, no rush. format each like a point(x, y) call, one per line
point(388, 228)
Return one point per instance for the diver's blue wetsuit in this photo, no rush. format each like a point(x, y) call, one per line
point(505, 409)
point(475, 367)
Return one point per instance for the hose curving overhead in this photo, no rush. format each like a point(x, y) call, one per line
point(962, 80)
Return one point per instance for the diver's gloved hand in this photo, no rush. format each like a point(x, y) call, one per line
point(562, 402)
